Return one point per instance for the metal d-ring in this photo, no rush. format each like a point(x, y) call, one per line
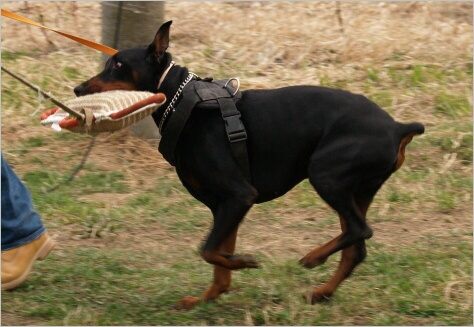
point(238, 84)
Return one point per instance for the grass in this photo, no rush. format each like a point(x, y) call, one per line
point(85, 286)
point(128, 232)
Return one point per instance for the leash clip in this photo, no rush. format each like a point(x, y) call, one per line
point(238, 84)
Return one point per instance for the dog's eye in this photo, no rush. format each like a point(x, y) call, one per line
point(117, 65)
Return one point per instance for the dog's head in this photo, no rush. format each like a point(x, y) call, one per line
point(136, 69)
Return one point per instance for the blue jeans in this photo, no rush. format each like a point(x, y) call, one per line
point(21, 224)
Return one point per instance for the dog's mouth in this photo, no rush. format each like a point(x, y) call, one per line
point(94, 86)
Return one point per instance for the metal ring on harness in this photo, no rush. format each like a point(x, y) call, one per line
point(238, 84)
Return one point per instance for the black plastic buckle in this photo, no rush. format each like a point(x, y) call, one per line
point(235, 128)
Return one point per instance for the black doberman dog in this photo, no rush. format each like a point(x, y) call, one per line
point(345, 144)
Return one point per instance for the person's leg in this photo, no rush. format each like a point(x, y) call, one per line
point(24, 238)
point(21, 224)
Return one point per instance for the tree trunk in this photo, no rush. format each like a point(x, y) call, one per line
point(126, 24)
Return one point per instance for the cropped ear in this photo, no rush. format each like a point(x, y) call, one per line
point(161, 41)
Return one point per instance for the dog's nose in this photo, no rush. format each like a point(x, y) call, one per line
point(78, 90)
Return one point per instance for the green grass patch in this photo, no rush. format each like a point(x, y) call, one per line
point(452, 106)
point(373, 75)
point(72, 72)
point(12, 55)
point(101, 182)
point(118, 287)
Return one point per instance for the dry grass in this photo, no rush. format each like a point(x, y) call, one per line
point(268, 44)
point(276, 44)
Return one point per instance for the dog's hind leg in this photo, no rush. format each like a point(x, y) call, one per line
point(350, 258)
point(353, 225)
point(347, 177)
point(349, 190)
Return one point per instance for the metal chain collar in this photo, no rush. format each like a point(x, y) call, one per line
point(171, 107)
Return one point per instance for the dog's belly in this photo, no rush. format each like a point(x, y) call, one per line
point(279, 164)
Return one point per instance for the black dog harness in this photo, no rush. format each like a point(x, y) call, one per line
point(206, 94)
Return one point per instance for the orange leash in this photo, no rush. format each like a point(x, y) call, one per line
point(94, 45)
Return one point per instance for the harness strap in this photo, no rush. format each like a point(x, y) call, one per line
point(208, 95)
point(172, 132)
point(236, 133)
point(226, 95)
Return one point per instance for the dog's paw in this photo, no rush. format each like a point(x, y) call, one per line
point(312, 261)
point(187, 303)
point(316, 296)
point(244, 261)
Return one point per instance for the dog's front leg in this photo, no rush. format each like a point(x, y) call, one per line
point(227, 217)
point(220, 245)
point(221, 282)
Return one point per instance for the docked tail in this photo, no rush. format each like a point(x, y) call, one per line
point(406, 133)
point(411, 128)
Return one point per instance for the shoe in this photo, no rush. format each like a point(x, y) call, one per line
point(17, 262)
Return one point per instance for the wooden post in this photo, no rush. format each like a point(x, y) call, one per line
point(126, 24)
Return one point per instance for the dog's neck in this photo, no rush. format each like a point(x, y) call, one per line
point(165, 73)
point(169, 83)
